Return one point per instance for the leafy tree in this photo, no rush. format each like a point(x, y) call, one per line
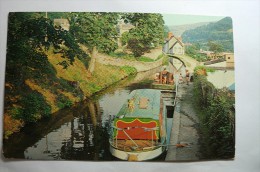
point(95, 30)
point(215, 47)
point(29, 36)
point(148, 31)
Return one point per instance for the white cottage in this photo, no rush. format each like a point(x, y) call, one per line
point(173, 45)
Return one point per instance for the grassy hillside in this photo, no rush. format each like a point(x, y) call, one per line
point(179, 29)
point(220, 32)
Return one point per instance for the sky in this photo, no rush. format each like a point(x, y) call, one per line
point(178, 19)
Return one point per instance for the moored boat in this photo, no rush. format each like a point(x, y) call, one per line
point(139, 130)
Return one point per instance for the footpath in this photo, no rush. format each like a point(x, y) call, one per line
point(185, 128)
point(140, 66)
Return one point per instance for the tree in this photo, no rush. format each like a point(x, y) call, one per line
point(97, 31)
point(29, 37)
point(215, 47)
point(148, 31)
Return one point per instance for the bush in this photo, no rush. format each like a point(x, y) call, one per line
point(145, 59)
point(34, 107)
point(204, 91)
point(11, 125)
point(129, 70)
point(193, 51)
point(137, 47)
point(202, 70)
point(64, 103)
point(122, 55)
point(217, 119)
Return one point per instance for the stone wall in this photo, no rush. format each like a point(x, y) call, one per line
point(140, 66)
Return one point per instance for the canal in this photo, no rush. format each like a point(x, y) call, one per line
point(77, 133)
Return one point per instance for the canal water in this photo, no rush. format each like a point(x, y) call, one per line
point(78, 133)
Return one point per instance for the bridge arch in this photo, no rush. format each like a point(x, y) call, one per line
point(175, 57)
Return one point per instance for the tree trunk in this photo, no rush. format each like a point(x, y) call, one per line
point(92, 62)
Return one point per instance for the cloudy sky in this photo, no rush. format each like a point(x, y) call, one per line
point(178, 19)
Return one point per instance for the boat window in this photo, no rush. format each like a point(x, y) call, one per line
point(143, 103)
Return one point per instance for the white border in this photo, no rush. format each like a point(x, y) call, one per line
point(246, 22)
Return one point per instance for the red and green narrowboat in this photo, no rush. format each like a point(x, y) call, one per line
point(139, 129)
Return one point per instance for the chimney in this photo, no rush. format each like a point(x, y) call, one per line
point(170, 34)
point(180, 39)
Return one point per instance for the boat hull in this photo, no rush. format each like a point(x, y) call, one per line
point(138, 156)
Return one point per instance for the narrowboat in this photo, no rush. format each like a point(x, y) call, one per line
point(139, 130)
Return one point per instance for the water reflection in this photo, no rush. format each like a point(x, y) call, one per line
point(78, 133)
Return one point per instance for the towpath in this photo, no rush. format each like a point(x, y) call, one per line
point(185, 128)
point(139, 65)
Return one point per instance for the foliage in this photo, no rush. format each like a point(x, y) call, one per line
point(204, 91)
point(147, 33)
point(202, 70)
point(221, 32)
point(165, 61)
point(216, 119)
point(137, 47)
point(124, 38)
point(145, 59)
point(193, 51)
point(215, 47)
point(95, 30)
point(130, 57)
point(30, 37)
point(34, 107)
point(122, 55)
point(129, 70)
point(11, 125)
point(64, 102)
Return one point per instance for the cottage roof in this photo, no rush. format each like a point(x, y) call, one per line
point(177, 40)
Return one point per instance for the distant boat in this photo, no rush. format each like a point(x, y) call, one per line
point(139, 130)
point(164, 80)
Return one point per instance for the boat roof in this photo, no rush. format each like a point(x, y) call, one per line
point(141, 103)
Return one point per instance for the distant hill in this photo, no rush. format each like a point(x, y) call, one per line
point(220, 32)
point(177, 30)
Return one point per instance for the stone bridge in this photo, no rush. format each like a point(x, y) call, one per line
point(183, 60)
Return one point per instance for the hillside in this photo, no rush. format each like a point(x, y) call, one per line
point(220, 32)
point(179, 29)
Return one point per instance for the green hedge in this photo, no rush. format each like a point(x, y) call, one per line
point(217, 119)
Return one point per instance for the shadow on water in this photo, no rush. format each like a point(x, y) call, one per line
point(79, 132)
